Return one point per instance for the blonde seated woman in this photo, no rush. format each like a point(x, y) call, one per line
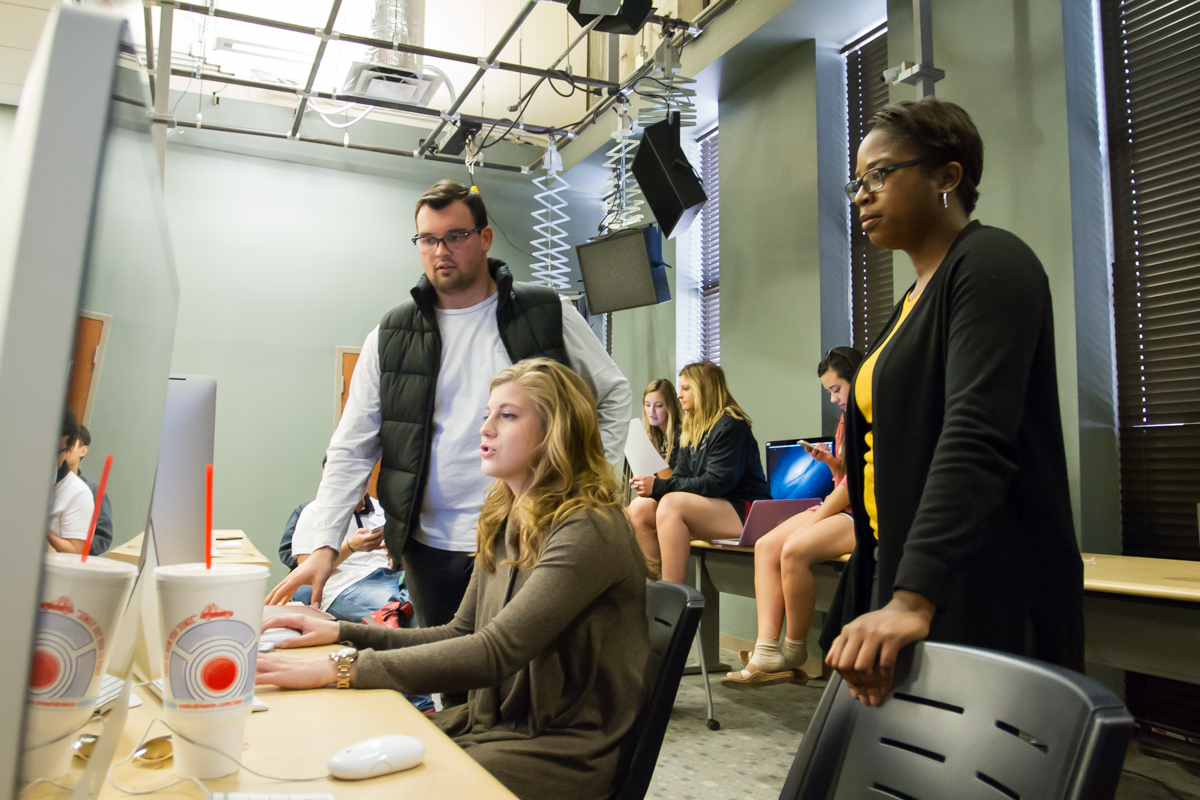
point(551, 641)
point(717, 476)
point(662, 418)
point(784, 558)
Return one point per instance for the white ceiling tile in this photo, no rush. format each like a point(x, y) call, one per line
point(10, 93)
point(21, 26)
point(45, 5)
point(14, 63)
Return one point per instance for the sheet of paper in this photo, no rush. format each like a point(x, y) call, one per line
point(640, 452)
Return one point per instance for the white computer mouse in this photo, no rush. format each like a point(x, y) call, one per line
point(278, 635)
point(374, 757)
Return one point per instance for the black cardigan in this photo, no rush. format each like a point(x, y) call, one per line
point(724, 464)
point(971, 485)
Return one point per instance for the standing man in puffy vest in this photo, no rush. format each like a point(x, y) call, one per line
point(417, 399)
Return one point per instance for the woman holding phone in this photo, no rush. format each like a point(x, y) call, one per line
point(717, 476)
point(783, 559)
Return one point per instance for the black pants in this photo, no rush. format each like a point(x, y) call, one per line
point(436, 580)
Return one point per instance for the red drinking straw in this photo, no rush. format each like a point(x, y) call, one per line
point(87, 547)
point(208, 517)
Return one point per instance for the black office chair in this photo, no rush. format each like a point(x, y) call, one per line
point(965, 724)
point(674, 613)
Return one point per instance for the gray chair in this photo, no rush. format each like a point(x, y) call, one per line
point(673, 613)
point(965, 724)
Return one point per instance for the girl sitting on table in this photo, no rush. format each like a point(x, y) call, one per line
point(717, 476)
point(784, 558)
point(663, 419)
point(551, 640)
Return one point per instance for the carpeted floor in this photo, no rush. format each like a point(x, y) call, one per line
point(749, 757)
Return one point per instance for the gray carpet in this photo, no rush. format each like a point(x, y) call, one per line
point(749, 757)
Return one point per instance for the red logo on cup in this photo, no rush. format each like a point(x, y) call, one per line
point(212, 611)
point(44, 670)
point(62, 605)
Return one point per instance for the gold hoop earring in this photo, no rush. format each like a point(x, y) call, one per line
point(945, 199)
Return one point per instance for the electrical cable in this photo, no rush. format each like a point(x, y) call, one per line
point(191, 741)
point(1158, 781)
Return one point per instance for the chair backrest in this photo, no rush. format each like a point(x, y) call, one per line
point(673, 611)
point(966, 724)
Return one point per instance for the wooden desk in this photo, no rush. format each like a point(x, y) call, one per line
point(247, 553)
point(296, 737)
point(1140, 614)
point(1143, 614)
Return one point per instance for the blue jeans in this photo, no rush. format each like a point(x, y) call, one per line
point(364, 598)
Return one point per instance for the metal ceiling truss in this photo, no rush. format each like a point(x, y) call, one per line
point(681, 33)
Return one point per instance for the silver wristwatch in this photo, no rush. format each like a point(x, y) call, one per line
point(343, 658)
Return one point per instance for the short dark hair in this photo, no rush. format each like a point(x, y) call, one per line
point(842, 360)
point(70, 428)
point(941, 132)
point(85, 436)
point(443, 193)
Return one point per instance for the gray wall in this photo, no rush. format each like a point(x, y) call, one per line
point(783, 249)
point(279, 263)
point(1005, 65)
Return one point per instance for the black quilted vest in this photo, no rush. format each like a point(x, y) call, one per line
point(410, 357)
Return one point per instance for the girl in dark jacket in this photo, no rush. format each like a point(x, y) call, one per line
point(717, 476)
point(955, 458)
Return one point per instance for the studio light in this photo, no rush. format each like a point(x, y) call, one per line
point(624, 270)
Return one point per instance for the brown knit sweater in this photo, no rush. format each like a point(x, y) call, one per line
point(553, 657)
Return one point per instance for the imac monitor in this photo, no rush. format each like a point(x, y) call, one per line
point(793, 474)
point(185, 449)
point(82, 231)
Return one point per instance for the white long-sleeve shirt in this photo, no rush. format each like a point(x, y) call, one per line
point(356, 566)
point(472, 354)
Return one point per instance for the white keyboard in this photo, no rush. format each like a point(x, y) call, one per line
point(258, 705)
point(242, 796)
point(110, 690)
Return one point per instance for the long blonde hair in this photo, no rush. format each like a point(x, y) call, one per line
point(664, 441)
point(711, 400)
point(570, 473)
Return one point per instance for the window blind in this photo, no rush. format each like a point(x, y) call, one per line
point(710, 250)
point(1152, 87)
point(1151, 51)
point(871, 299)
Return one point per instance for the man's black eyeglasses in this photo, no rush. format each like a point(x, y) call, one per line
point(452, 240)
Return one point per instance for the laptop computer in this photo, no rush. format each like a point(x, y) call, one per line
point(797, 481)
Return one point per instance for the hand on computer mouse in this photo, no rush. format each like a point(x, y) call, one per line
point(312, 631)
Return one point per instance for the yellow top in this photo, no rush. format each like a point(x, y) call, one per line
point(862, 396)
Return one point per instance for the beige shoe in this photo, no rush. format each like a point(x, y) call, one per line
point(752, 676)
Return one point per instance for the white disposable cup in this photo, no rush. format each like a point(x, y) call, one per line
point(80, 607)
point(210, 621)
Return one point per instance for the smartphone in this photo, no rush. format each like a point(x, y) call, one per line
point(376, 530)
point(810, 444)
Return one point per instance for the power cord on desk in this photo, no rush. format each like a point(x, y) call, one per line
point(207, 793)
point(1159, 781)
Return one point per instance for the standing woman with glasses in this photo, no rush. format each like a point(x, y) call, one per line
point(955, 459)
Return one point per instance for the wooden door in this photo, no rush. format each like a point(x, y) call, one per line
point(346, 360)
point(91, 334)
